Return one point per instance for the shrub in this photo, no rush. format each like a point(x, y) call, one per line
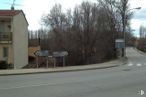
point(3, 65)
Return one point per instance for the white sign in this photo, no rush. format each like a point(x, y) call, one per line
point(60, 54)
point(119, 40)
point(44, 53)
point(119, 43)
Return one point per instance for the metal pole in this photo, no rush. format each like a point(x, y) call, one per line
point(63, 61)
point(37, 61)
point(47, 61)
point(54, 62)
point(124, 36)
point(124, 32)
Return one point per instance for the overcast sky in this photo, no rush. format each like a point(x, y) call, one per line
point(34, 9)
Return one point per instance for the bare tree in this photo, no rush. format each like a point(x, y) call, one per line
point(89, 32)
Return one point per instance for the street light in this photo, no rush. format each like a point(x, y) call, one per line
point(124, 30)
point(138, 8)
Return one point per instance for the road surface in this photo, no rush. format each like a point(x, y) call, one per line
point(124, 81)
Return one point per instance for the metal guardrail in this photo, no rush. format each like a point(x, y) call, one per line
point(5, 36)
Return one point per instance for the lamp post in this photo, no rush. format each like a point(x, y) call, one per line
point(124, 31)
point(135, 8)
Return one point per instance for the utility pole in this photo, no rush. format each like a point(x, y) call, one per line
point(124, 30)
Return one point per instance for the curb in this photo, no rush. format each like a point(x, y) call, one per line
point(139, 51)
point(67, 70)
point(57, 71)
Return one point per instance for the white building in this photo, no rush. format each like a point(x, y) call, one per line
point(14, 37)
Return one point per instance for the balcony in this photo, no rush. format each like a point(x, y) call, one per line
point(5, 37)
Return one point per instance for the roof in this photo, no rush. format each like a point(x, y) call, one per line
point(9, 12)
point(12, 13)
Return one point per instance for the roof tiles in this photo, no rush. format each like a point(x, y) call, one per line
point(9, 12)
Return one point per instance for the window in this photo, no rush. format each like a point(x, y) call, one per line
point(2, 27)
point(5, 52)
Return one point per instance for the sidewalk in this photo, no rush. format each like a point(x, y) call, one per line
point(110, 64)
point(141, 52)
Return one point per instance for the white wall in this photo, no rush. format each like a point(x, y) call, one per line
point(20, 41)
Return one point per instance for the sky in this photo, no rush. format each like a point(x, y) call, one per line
point(35, 9)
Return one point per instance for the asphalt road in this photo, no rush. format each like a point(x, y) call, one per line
point(123, 81)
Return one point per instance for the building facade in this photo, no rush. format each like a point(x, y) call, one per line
point(13, 38)
point(142, 32)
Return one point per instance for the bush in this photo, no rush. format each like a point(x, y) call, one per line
point(142, 44)
point(10, 66)
point(5, 65)
point(31, 59)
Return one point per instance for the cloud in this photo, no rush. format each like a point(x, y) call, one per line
point(139, 17)
point(34, 9)
point(140, 14)
point(135, 23)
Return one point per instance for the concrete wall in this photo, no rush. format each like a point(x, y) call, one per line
point(20, 41)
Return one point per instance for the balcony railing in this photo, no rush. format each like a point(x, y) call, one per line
point(5, 36)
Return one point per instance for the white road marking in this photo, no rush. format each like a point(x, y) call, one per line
point(138, 64)
point(27, 86)
point(130, 64)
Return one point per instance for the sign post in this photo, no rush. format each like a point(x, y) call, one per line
point(37, 61)
point(60, 54)
point(44, 53)
point(119, 44)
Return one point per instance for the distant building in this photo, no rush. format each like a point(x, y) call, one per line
point(142, 32)
point(14, 37)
